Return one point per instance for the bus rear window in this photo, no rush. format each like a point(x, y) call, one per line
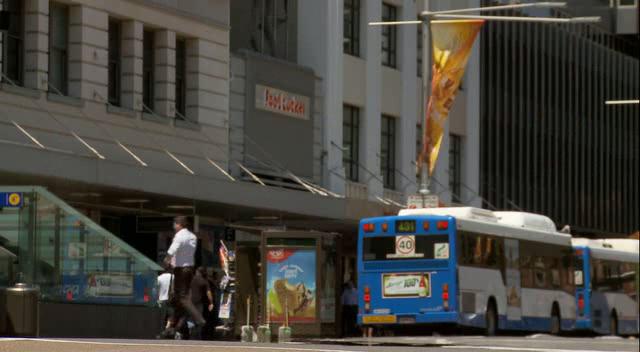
point(384, 248)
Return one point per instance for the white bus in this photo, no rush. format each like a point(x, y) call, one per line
point(514, 270)
point(606, 278)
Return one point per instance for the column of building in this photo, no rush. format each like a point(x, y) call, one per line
point(471, 144)
point(322, 51)
point(131, 72)
point(165, 73)
point(370, 124)
point(36, 44)
point(207, 97)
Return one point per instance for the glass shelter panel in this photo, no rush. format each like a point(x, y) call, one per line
point(70, 257)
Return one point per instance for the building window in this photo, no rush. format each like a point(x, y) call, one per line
point(114, 62)
point(455, 167)
point(148, 60)
point(352, 27)
point(388, 151)
point(58, 47)
point(389, 36)
point(181, 71)
point(351, 141)
point(420, 47)
point(270, 27)
point(627, 3)
point(13, 45)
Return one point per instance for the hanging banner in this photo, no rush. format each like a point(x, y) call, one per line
point(291, 284)
point(452, 43)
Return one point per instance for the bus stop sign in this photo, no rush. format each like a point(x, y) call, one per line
point(10, 199)
point(419, 201)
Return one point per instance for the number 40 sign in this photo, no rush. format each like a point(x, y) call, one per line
point(405, 248)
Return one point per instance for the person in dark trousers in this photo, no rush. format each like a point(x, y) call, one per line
point(200, 295)
point(212, 316)
point(181, 257)
point(349, 309)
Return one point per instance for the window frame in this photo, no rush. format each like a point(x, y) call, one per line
point(390, 52)
point(388, 151)
point(14, 35)
point(148, 69)
point(455, 167)
point(63, 51)
point(114, 65)
point(351, 44)
point(181, 78)
point(351, 157)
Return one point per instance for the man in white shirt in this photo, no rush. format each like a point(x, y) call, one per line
point(181, 256)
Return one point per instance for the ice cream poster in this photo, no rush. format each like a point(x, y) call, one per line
point(291, 284)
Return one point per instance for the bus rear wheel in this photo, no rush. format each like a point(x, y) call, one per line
point(555, 321)
point(491, 320)
point(613, 324)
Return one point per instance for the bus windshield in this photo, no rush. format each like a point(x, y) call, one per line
point(425, 247)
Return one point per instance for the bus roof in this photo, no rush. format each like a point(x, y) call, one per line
point(612, 249)
point(526, 226)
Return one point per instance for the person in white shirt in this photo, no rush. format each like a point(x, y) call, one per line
point(181, 256)
point(164, 285)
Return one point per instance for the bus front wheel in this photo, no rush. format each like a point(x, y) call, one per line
point(491, 319)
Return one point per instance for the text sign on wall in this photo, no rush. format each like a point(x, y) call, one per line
point(282, 102)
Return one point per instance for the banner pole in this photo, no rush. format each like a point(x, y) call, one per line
point(426, 89)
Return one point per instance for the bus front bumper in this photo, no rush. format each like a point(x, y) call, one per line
point(403, 319)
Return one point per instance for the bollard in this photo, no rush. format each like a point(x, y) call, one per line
point(284, 332)
point(264, 331)
point(264, 334)
point(246, 333)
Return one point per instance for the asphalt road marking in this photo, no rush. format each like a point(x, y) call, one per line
point(527, 349)
point(242, 347)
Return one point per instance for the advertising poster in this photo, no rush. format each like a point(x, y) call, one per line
point(109, 285)
point(291, 283)
point(406, 285)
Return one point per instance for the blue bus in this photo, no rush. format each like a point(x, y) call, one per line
point(606, 279)
point(465, 266)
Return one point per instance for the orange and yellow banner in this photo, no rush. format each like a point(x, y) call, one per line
point(452, 43)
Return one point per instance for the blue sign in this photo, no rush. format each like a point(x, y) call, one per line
point(10, 199)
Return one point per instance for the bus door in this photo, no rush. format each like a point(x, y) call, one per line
point(512, 279)
point(581, 279)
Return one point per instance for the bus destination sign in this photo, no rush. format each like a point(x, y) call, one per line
point(405, 226)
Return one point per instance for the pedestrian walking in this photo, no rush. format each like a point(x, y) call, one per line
point(181, 256)
point(349, 309)
point(164, 288)
point(201, 297)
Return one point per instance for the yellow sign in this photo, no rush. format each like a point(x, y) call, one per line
point(379, 319)
point(452, 43)
point(14, 199)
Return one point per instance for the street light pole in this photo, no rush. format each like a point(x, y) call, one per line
point(426, 94)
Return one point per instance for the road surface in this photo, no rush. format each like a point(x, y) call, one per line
point(535, 343)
